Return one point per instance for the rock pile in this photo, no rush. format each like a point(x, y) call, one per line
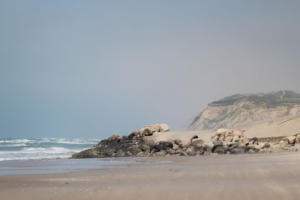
point(233, 142)
point(290, 141)
point(140, 143)
point(227, 137)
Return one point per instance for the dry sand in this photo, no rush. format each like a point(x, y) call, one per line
point(184, 136)
point(234, 177)
point(281, 127)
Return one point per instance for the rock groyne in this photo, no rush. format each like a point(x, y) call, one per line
point(141, 143)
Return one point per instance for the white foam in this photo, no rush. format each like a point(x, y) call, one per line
point(10, 141)
point(13, 145)
point(42, 148)
point(37, 153)
point(76, 141)
point(35, 157)
point(50, 150)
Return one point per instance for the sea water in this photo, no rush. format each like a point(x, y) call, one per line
point(42, 148)
point(50, 155)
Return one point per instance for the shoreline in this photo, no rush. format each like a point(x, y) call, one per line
point(55, 166)
point(66, 165)
point(248, 176)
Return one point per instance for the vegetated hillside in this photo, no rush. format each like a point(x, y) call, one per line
point(239, 111)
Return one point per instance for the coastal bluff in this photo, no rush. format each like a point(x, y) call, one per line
point(261, 114)
point(159, 140)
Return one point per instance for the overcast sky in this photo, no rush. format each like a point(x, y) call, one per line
point(94, 68)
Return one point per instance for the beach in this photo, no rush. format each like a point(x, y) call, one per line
point(248, 176)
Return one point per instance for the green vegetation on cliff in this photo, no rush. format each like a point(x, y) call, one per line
point(268, 100)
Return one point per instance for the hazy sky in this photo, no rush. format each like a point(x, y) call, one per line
point(93, 68)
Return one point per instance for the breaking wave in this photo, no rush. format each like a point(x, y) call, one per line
point(42, 148)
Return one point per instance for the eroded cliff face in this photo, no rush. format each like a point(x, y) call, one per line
point(240, 111)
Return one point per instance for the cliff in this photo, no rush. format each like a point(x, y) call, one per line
point(240, 111)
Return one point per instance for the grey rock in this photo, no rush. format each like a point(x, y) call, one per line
point(220, 149)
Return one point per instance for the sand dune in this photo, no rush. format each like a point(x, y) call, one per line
point(282, 127)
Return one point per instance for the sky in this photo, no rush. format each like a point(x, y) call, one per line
point(90, 69)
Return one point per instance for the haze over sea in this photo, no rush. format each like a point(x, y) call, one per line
point(41, 148)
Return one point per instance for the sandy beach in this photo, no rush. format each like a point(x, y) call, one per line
point(256, 176)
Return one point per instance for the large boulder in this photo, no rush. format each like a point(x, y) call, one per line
point(163, 145)
point(135, 134)
point(198, 143)
point(284, 143)
point(89, 153)
point(114, 137)
point(199, 147)
point(291, 139)
point(297, 138)
point(150, 130)
point(164, 128)
point(220, 149)
point(147, 131)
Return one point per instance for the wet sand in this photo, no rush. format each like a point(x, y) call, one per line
point(260, 176)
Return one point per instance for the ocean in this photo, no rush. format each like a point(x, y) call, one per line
point(42, 148)
point(50, 155)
